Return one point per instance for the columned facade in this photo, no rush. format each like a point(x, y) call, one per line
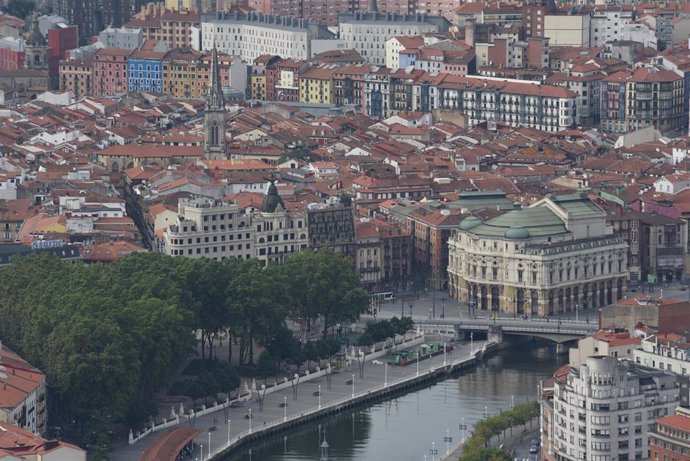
point(554, 257)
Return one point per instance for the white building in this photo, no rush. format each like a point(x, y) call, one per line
point(254, 34)
point(124, 37)
point(603, 410)
point(664, 354)
point(672, 183)
point(608, 24)
point(368, 32)
point(207, 228)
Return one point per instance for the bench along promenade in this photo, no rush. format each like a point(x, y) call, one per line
point(260, 413)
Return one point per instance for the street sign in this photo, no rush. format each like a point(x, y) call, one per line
point(448, 439)
point(462, 427)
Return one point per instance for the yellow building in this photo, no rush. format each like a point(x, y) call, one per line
point(76, 76)
point(178, 5)
point(172, 27)
point(258, 77)
point(186, 72)
point(316, 85)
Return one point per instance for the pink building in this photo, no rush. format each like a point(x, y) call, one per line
point(110, 72)
point(11, 59)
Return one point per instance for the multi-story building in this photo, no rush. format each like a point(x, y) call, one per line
point(206, 228)
point(174, 28)
point(513, 102)
point(555, 256)
point(348, 84)
point(283, 80)
point(608, 23)
point(75, 76)
point(603, 409)
point(145, 71)
point(663, 353)
point(586, 81)
point(567, 30)
point(110, 72)
point(616, 343)
point(332, 226)
point(251, 35)
point(22, 393)
point(61, 39)
point(85, 14)
point(11, 53)
point(384, 255)
point(316, 85)
point(648, 97)
point(186, 72)
point(123, 37)
point(278, 231)
point(368, 32)
point(656, 98)
point(258, 75)
point(670, 439)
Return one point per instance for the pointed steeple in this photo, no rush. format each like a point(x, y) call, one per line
point(214, 97)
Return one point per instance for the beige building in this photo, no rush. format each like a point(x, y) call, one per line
point(207, 228)
point(555, 256)
point(76, 76)
point(612, 343)
point(570, 30)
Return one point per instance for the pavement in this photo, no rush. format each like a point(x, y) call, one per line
point(512, 442)
point(217, 430)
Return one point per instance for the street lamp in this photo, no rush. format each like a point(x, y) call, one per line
point(385, 376)
point(353, 385)
point(417, 362)
point(250, 420)
point(433, 452)
point(486, 412)
point(201, 446)
point(319, 396)
point(228, 432)
point(512, 401)
point(471, 343)
point(577, 313)
point(284, 408)
point(209, 445)
point(463, 427)
point(444, 354)
point(448, 440)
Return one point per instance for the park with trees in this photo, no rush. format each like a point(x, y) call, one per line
point(108, 337)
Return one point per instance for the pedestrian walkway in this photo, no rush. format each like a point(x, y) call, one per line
point(509, 442)
point(217, 429)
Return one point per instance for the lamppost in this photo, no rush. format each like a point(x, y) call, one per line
point(209, 444)
point(471, 343)
point(444, 354)
point(417, 362)
point(443, 307)
point(462, 428)
point(577, 313)
point(319, 396)
point(201, 446)
point(228, 432)
point(385, 376)
point(353, 385)
point(411, 305)
point(448, 439)
point(284, 408)
point(512, 401)
point(250, 420)
point(433, 452)
point(486, 412)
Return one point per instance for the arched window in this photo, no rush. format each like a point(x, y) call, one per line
point(214, 134)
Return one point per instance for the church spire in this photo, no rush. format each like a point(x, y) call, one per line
point(214, 97)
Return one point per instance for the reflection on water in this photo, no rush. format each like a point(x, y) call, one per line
point(405, 427)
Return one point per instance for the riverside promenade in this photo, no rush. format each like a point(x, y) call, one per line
point(343, 389)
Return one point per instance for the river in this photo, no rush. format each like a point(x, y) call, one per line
point(405, 427)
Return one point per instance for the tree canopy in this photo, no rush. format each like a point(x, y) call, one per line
point(109, 336)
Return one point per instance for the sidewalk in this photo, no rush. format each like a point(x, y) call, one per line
point(509, 442)
point(217, 430)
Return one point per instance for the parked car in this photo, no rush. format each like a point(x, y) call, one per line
point(534, 449)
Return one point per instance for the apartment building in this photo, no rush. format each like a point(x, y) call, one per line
point(251, 35)
point(603, 410)
point(76, 76)
point(110, 72)
point(22, 393)
point(332, 226)
point(174, 28)
point(207, 228)
point(670, 439)
point(368, 32)
point(607, 24)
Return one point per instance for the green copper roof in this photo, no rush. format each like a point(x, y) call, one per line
point(538, 221)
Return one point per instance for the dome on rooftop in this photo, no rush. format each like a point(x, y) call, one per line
point(272, 200)
point(469, 223)
point(517, 233)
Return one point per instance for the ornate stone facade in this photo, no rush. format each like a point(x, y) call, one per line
point(555, 256)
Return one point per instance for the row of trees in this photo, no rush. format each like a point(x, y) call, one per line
point(108, 337)
point(477, 447)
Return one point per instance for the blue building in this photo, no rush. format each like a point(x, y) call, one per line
point(145, 71)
